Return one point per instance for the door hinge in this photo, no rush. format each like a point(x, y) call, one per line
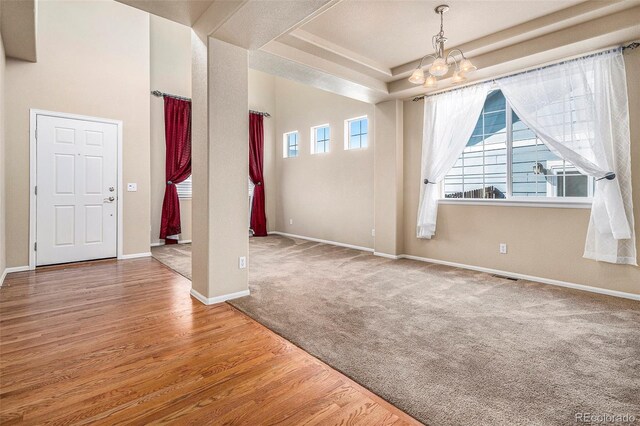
point(35, 246)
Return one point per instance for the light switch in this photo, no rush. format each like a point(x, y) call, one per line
point(132, 187)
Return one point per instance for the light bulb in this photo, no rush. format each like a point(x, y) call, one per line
point(458, 77)
point(417, 77)
point(430, 82)
point(439, 67)
point(467, 66)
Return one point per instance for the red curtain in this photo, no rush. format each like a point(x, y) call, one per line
point(256, 156)
point(177, 130)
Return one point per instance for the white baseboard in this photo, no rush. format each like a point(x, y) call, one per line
point(527, 277)
point(549, 281)
point(10, 271)
point(134, 256)
point(17, 269)
point(318, 240)
point(160, 243)
point(388, 256)
point(218, 299)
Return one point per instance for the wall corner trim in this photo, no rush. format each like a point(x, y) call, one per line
point(516, 275)
point(318, 240)
point(386, 255)
point(218, 299)
point(134, 256)
point(11, 270)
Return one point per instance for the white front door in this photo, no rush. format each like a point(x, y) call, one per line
point(76, 193)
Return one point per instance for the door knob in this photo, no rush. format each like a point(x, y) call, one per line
point(109, 200)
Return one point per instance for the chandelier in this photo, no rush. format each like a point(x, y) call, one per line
point(440, 64)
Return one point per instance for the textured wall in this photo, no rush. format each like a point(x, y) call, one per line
point(543, 242)
point(3, 167)
point(328, 196)
point(102, 73)
point(170, 45)
point(262, 97)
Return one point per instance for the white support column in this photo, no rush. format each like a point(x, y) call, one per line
point(388, 178)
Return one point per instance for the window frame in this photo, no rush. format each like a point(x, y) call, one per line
point(285, 144)
point(347, 135)
point(510, 199)
point(327, 142)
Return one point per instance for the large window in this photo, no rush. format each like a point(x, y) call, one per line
point(320, 136)
point(290, 144)
point(356, 133)
point(504, 159)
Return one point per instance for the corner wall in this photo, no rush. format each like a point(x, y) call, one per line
point(262, 97)
point(170, 57)
point(328, 196)
point(93, 60)
point(543, 242)
point(3, 200)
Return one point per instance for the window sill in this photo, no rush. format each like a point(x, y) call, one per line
point(560, 204)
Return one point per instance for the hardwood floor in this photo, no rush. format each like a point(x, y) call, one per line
point(113, 342)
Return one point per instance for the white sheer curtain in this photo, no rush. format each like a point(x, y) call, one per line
point(579, 109)
point(449, 119)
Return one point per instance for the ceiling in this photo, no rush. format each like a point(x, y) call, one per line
point(366, 49)
point(393, 33)
point(185, 12)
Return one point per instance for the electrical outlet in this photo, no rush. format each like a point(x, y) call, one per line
point(290, 221)
point(503, 248)
point(373, 232)
point(242, 262)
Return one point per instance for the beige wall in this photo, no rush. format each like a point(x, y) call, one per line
point(3, 203)
point(170, 45)
point(543, 242)
point(93, 60)
point(328, 196)
point(220, 168)
point(262, 97)
point(388, 178)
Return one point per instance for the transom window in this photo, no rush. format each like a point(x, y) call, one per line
point(356, 133)
point(290, 144)
point(505, 159)
point(320, 136)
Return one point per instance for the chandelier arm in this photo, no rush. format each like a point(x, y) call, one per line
point(424, 57)
point(452, 52)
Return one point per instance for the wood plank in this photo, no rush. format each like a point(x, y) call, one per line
point(122, 341)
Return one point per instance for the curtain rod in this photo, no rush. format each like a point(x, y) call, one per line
point(629, 46)
point(169, 95)
point(265, 114)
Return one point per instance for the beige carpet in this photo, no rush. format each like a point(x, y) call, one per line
point(175, 256)
point(449, 346)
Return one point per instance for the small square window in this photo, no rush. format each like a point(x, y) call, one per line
point(356, 133)
point(290, 144)
point(320, 137)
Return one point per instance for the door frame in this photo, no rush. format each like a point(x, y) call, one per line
point(33, 119)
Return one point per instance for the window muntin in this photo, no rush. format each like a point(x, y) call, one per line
point(357, 133)
point(320, 137)
point(505, 159)
point(290, 144)
point(185, 188)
